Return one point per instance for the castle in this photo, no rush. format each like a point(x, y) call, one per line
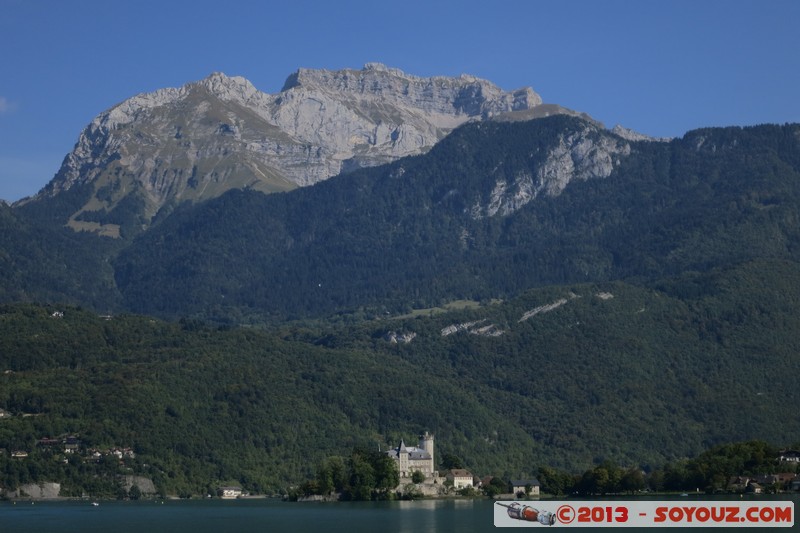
point(412, 458)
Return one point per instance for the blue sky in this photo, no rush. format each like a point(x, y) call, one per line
point(660, 67)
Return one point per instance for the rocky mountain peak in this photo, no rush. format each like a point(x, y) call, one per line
point(197, 141)
point(458, 96)
point(225, 87)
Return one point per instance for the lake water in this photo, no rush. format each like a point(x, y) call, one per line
point(219, 516)
point(198, 516)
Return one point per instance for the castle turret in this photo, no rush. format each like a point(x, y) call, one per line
point(402, 459)
point(426, 443)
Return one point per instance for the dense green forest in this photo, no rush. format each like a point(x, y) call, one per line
point(724, 468)
point(595, 373)
point(402, 236)
point(45, 263)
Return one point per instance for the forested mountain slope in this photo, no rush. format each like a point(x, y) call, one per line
point(41, 262)
point(564, 376)
point(485, 214)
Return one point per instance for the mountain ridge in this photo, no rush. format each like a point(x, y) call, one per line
point(473, 219)
point(155, 150)
point(495, 208)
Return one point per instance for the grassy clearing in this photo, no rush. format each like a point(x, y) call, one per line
point(455, 305)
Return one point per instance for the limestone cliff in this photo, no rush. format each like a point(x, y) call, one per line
point(582, 155)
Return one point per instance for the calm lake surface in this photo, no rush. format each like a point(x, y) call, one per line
point(198, 516)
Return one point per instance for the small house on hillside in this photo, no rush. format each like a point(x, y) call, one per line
point(789, 456)
point(229, 493)
point(754, 487)
point(460, 478)
point(529, 487)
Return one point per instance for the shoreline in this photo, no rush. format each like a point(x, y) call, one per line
point(335, 498)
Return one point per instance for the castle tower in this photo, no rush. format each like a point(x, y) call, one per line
point(402, 458)
point(426, 443)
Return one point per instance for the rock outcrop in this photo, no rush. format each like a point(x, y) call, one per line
point(585, 154)
point(145, 484)
point(632, 135)
point(35, 491)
